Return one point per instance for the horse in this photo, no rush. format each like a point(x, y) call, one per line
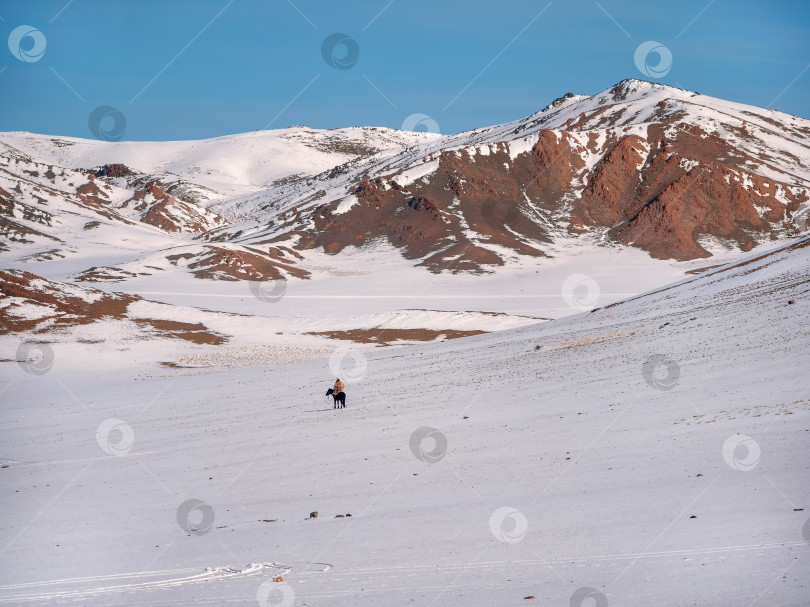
point(340, 397)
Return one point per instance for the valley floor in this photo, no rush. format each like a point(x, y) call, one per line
point(653, 452)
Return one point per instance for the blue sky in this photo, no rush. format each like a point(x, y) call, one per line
point(202, 68)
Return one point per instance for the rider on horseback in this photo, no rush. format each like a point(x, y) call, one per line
point(337, 393)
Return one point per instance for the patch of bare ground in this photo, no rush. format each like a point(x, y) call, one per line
point(703, 269)
point(106, 274)
point(196, 333)
point(482, 312)
point(219, 263)
point(754, 411)
point(171, 214)
point(61, 308)
point(44, 256)
point(246, 356)
point(385, 337)
point(590, 340)
point(173, 365)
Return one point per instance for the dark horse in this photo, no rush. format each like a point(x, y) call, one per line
point(340, 397)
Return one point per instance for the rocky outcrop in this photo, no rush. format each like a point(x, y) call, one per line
point(690, 185)
point(663, 193)
point(474, 199)
point(232, 263)
point(163, 210)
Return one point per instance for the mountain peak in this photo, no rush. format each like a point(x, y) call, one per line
point(637, 88)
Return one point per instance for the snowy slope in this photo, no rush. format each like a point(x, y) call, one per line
point(229, 165)
point(593, 455)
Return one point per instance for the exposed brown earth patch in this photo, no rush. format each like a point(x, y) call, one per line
point(59, 307)
point(219, 263)
point(179, 257)
point(105, 274)
point(196, 333)
point(44, 255)
point(704, 269)
point(91, 195)
point(386, 337)
point(591, 339)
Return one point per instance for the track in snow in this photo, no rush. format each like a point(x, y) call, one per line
point(131, 582)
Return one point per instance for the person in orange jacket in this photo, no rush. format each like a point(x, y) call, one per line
point(337, 392)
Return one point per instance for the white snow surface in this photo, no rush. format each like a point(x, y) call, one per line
point(538, 461)
point(230, 165)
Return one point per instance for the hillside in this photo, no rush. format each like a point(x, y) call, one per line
point(669, 171)
point(677, 175)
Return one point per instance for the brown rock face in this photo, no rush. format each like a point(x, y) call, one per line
point(474, 197)
point(662, 194)
point(171, 214)
point(547, 172)
point(665, 201)
point(114, 170)
point(670, 224)
point(607, 198)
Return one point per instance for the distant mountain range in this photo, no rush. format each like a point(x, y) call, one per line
point(672, 172)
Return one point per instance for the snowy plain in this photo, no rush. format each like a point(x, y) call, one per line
point(653, 452)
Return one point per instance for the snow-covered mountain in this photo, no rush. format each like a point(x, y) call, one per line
point(663, 169)
point(679, 175)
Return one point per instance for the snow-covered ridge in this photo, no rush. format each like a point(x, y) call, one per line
point(265, 188)
point(229, 165)
point(781, 141)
